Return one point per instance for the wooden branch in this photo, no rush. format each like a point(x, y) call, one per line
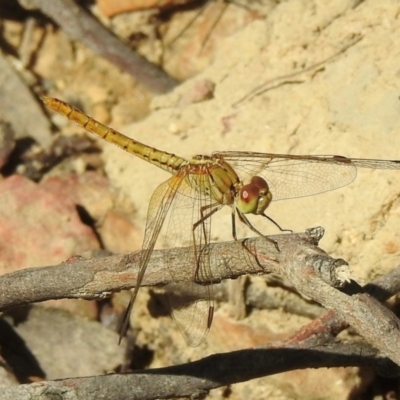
point(80, 25)
point(309, 269)
point(100, 277)
point(197, 378)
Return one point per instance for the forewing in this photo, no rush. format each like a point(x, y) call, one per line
point(375, 164)
point(191, 303)
point(291, 176)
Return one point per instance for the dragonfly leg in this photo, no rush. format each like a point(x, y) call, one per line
point(217, 206)
point(247, 222)
point(234, 224)
point(276, 224)
point(210, 317)
point(204, 217)
point(243, 242)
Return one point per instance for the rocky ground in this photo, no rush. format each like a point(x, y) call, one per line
point(299, 77)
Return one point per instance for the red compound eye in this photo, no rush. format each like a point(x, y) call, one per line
point(259, 182)
point(254, 197)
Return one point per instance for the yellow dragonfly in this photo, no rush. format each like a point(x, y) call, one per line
point(245, 181)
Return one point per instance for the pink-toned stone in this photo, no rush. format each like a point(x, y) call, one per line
point(119, 234)
point(38, 226)
point(90, 190)
point(93, 192)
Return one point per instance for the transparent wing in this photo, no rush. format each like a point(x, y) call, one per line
point(291, 176)
point(160, 203)
point(191, 303)
point(192, 310)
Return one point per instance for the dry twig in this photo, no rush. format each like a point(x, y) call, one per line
point(310, 270)
point(197, 378)
point(81, 26)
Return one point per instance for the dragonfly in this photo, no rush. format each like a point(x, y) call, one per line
point(247, 182)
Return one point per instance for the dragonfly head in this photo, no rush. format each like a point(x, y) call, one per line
point(254, 197)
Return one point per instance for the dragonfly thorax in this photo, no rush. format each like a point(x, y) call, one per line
point(254, 197)
point(213, 177)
